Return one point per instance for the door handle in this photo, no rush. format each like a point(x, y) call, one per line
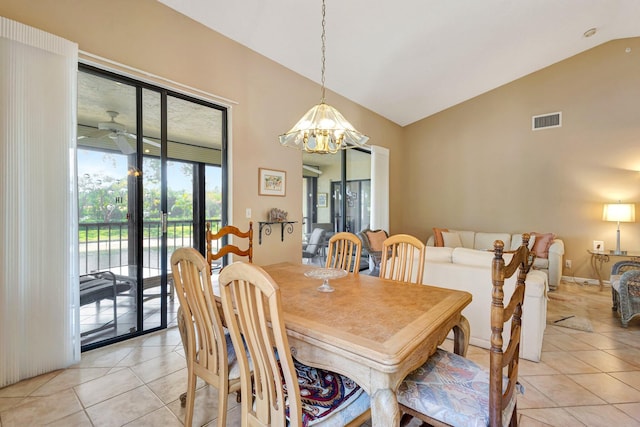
point(164, 222)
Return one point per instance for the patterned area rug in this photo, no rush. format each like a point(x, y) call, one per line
point(572, 322)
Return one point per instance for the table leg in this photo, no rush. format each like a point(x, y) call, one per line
point(384, 408)
point(596, 265)
point(461, 334)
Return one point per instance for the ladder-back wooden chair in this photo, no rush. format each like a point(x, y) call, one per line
point(402, 259)
point(272, 391)
point(207, 348)
point(345, 250)
point(452, 390)
point(228, 230)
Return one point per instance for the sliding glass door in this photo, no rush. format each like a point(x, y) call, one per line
point(144, 173)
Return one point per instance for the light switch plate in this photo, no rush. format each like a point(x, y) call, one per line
point(248, 213)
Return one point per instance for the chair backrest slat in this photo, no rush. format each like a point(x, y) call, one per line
point(228, 230)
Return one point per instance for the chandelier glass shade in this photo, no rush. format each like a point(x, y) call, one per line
point(323, 130)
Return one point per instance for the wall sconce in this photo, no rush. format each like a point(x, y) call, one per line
point(619, 212)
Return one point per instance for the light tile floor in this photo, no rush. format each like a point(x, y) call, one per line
point(584, 378)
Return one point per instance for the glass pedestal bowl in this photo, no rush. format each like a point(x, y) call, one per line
point(325, 274)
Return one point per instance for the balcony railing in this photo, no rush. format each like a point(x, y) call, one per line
point(105, 245)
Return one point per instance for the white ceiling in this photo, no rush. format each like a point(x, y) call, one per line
point(409, 59)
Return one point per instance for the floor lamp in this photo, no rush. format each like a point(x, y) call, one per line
point(619, 212)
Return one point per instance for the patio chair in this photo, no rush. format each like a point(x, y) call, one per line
point(452, 390)
point(313, 249)
point(372, 244)
point(98, 286)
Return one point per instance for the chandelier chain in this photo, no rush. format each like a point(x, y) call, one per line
point(323, 39)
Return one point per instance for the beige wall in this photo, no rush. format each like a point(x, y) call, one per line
point(148, 36)
point(479, 166)
point(474, 166)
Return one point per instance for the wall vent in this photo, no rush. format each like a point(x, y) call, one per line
point(546, 121)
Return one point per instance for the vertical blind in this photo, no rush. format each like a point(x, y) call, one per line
point(39, 329)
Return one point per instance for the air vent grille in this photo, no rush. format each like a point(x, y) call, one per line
point(546, 121)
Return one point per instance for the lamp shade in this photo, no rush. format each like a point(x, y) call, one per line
point(619, 212)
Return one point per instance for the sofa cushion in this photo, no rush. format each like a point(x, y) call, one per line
point(451, 240)
point(466, 237)
point(516, 241)
point(376, 239)
point(437, 235)
point(485, 240)
point(475, 257)
point(542, 243)
point(436, 254)
point(541, 263)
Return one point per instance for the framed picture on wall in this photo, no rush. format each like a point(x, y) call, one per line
point(272, 182)
point(322, 200)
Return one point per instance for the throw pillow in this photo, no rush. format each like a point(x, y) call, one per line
point(451, 240)
point(376, 239)
point(542, 243)
point(437, 236)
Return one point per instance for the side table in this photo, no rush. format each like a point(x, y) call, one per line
point(600, 257)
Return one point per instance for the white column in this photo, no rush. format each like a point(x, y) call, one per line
point(379, 188)
point(39, 330)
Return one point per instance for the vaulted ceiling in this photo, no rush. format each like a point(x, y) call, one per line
point(409, 59)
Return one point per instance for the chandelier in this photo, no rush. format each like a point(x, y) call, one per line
point(323, 130)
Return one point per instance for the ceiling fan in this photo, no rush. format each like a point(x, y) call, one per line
point(118, 133)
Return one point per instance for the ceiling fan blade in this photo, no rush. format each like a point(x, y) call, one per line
point(85, 132)
point(123, 144)
point(150, 142)
point(145, 140)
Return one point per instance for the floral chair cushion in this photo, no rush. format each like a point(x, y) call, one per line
point(328, 398)
point(452, 389)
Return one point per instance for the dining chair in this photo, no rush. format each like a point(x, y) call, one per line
point(402, 259)
point(209, 352)
point(452, 390)
point(228, 248)
point(281, 391)
point(212, 256)
point(345, 250)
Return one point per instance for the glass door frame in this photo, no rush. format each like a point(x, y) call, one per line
point(136, 195)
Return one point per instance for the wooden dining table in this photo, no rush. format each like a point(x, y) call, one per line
point(373, 330)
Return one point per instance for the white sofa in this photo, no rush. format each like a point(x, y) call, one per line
point(470, 270)
point(552, 265)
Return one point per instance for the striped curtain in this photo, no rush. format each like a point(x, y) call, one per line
point(39, 329)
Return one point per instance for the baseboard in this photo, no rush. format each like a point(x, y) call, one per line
point(584, 281)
